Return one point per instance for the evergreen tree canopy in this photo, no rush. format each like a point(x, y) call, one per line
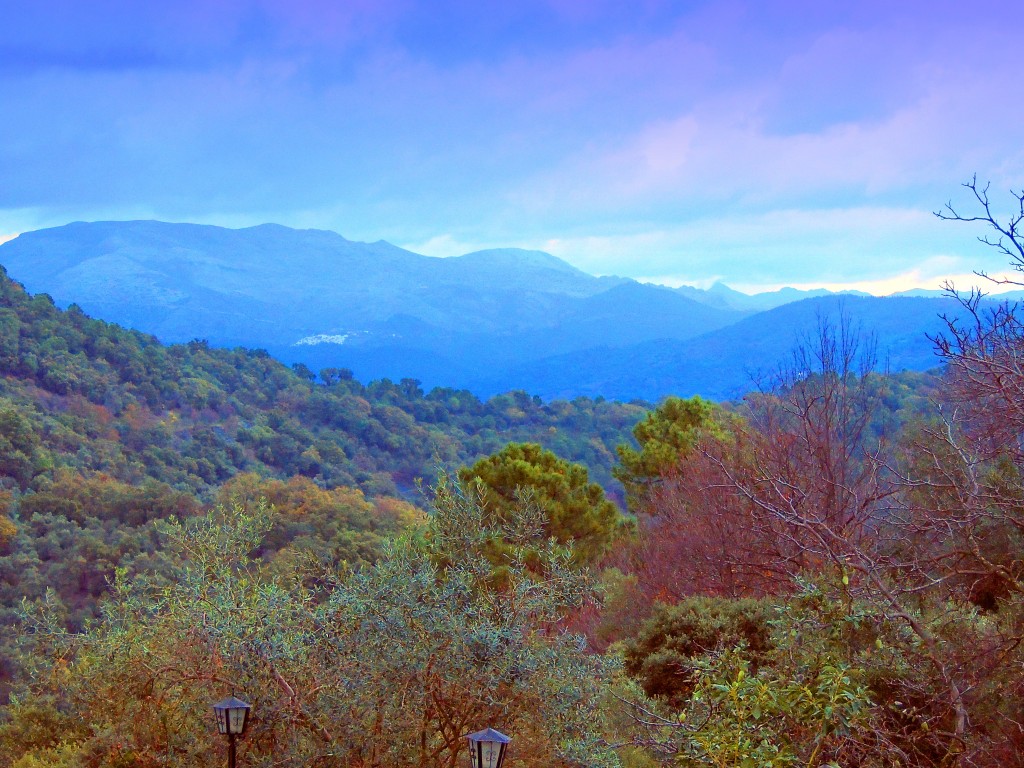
point(576, 509)
point(666, 435)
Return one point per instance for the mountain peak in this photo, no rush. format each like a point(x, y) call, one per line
point(722, 289)
point(517, 257)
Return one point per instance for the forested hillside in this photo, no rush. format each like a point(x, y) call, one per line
point(490, 321)
point(104, 432)
point(99, 397)
point(827, 573)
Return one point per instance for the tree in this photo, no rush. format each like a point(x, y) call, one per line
point(392, 664)
point(817, 486)
point(21, 457)
point(337, 525)
point(691, 539)
point(808, 482)
point(734, 496)
point(916, 535)
point(985, 352)
point(576, 510)
point(667, 652)
point(666, 436)
point(749, 683)
point(899, 559)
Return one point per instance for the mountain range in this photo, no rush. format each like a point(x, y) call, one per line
point(489, 321)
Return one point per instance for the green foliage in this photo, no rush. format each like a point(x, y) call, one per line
point(665, 436)
point(623, 609)
point(21, 457)
point(771, 721)
point(666, 654)
point(89, 395)
point(819, 678)
point(104, 431)
point(333, 526)
point(752, 683)
point(575, 509)
point(392, 664)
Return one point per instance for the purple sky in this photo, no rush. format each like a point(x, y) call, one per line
point(762, 143)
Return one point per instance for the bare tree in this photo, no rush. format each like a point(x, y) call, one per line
point(810, 446)
point(1009, 232)
point(928, 531)
point(810, 482)
point(698, 536)
point(805, 490)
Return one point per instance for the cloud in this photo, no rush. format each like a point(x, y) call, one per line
point(855, 112)
point(866, 245)
point(924, 277)
point(917, 278)
point(787, 141)
point(126, 36)
point(871, 249)
point(444, 246)
point(724, 151)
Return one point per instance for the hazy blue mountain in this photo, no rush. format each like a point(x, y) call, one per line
point(731, 361)
point(491, 320)
point(314, 297)
point(992, 293)
point(922, 293)
point(722, 296)
point(708, 298)
point(765, 300)
point(182, 281)
point(621, 316)
point(187, 280)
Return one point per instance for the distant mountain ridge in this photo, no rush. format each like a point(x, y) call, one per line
point(721, 295)
point(315, 281)
point(493, 320)
point(729, 362)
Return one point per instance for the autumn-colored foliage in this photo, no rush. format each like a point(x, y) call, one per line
point(828, 573)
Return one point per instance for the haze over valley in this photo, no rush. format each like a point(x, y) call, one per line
point(488, 321)
point(532, 384)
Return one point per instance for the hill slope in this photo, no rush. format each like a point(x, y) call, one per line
point(97, 397)
point(729, 362)
point(314, 297)
point(490, 321)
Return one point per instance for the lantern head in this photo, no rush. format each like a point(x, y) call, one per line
point(487, 748)
point(232, 716)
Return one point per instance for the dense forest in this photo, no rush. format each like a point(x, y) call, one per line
point(828, 573)
point(104, 432)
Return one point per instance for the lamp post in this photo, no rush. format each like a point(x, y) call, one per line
point(232, 717)
point(487, 748)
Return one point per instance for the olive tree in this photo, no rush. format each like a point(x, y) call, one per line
point(390, 665)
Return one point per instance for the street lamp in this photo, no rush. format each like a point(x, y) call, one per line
point(232, 717)
point(487, 748)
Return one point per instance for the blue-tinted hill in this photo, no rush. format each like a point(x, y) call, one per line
point(731, 361)
point(314, 297)
point(491, 321)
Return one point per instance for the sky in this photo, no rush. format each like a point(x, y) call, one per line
point(761, 143)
